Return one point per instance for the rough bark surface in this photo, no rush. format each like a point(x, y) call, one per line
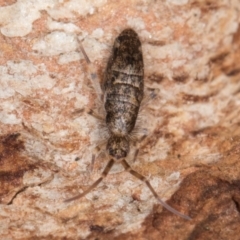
point(51, 149)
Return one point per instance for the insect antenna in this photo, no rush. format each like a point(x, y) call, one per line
point(142, 178)
point(95, 184)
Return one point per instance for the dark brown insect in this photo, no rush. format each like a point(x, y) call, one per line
point(123, 92)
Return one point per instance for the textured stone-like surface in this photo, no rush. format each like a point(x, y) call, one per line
point(190, 155)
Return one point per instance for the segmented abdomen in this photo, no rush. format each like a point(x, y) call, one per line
point(123, 85)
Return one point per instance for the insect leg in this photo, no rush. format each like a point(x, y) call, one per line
point(97, 148)
point(89, 111)
point(93, 75)
point(147, 100)
point(142, 178)
point(137, 150)
point(104, 174)
point(95, 114)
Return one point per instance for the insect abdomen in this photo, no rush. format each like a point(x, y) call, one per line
point(123, 85)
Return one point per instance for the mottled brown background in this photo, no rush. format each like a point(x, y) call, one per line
point(190, 156)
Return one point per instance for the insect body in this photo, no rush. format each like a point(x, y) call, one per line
point(123, 92)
